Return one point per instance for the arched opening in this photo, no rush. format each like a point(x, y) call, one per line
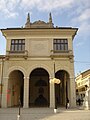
point(62, 89)
point(39, 88)
point(15, 88)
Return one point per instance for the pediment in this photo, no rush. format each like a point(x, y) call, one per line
point(38, 22)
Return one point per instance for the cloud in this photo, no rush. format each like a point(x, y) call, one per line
point(55, 5)
point(85, 15)
point(83, 34)
point(46, 5)
point(80, 9)
point(7, 8)
point(84, 30)
point(78, 12)
point(9, 14)
point(81, 18)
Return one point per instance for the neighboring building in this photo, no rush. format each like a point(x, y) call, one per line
point(26, 69)
point(83, 88)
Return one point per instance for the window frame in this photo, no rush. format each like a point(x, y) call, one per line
point(17, 45)
point(60, 44)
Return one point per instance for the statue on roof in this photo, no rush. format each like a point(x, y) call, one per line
point(50, 18)
point(27, 25)
point(39, 23)
point(51, 25)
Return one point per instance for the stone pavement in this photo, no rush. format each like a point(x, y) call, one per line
point(44, 114)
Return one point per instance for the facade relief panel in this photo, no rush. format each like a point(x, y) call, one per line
point(39, 48)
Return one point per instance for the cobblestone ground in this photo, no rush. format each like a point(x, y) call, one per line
point(44, 114)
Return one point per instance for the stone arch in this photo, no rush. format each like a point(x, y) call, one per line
point(16, 68)
point(63, 89)
point(64, 69)
point(15, 89)
point(39, 88)
point(39, 66)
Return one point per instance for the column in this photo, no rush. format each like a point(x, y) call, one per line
point(86, 100)
point(52, 95)
point(72, 93)
point(65, 89)
point(4, 95)
point(89, 93)
point(89, 99)
point(26, 92)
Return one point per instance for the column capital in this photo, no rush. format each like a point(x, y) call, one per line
point(5, 77)
point(26, 77)
point(51, 77)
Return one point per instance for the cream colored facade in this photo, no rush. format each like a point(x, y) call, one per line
point(83, 88)
point(27, 74)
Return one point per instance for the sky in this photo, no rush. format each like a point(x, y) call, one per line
point(65, 13)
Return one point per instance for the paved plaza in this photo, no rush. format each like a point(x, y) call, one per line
point(44, 114)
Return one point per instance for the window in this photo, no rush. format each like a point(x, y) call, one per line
point(60, 44)
point(17, 45)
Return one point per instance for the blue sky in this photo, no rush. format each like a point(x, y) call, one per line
point(68, 13)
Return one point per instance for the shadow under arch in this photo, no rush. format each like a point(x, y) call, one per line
point(39, 88)
point(62, 90)
point(15, 88)
point(40, 66)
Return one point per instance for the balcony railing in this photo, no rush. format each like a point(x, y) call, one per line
point(61, 53)
point(23, 54)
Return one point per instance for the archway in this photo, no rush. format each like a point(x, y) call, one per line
point(62, 89)
point(15, 88)
point(39, 88)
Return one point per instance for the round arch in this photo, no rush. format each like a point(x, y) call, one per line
point(39, 88)
point(63, 69)
point(40, 66)
point(15, 89)
point(16, 68)
point(63, 89)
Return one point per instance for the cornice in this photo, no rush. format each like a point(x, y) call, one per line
point(39, 32)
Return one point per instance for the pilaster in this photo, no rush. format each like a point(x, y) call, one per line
point(4, 95)
point(72, 93)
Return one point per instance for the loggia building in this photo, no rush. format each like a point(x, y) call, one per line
point(35, 54)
